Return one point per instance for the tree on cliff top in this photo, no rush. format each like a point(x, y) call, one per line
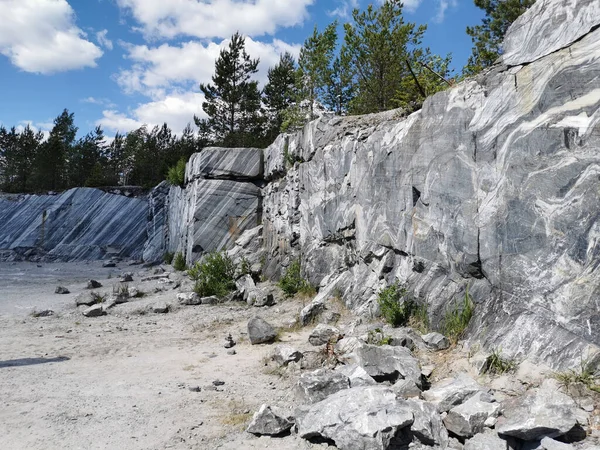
point(487, 37)
point(232, 102)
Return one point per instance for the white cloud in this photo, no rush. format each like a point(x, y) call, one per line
point(44, 127)
point(409, 5)
point(344, 10)
point(177, 110)
point(442, 8)
point(214, 18)
point(101, 37)
point(99, 101)
point(40, 36)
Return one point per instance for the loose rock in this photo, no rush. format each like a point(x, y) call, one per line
point(323, 334)
point(260, 331)
point(436, 341)
point(285, 354)
point(61, 290)
point(269, 421)
point(93, 284)
point(386, 363)
point(311, 311)
point(189, 298)
point(315, 386)
point(485, 441)
point(94, 311)
point(469, 419)
point(427, 426)
point(160, 308)
point(451, 392)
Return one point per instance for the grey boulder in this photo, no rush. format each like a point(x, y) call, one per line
point(469, 418)
point(323, 334)
point(427, 426)
point(189, 298)
point(61, 290)
point(538, 413)
point(260, 331)
point(93, 284)
point(485, 441)
point(209, 300)
point(357, 375)
point(451, 392)
point(550, 444)
point(386, 363)
point(361, 418)
point(88, 299)
point(269, 421)
point(160, 308)
point(259, 297)
point(312, 387)
point(311, 311)
point(436, 341)
point(94, 311)
point(285, 354)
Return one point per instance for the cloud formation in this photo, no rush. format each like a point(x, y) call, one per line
point(101, 37)
point(40, 36)
point(442, 8)
point(214, 18)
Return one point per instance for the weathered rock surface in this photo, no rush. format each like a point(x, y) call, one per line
point(436, 341)
point(539, 413)
point(323, 334)
point(226, 163)
point(315, 386)
point(362, 418)
point(486, 441)
point(260, 331)
point(451, 392)
point(189, 298)
point(269, 421)
point(492, 183)
point(94, 311)
point(468, 419)
point(386, 363)
point(285, 354)
point(61, 290)
point(356, 375)
point(93, 284)
point(427, 426)
point(79, 224)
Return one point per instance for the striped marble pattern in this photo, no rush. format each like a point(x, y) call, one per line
point(226, 163)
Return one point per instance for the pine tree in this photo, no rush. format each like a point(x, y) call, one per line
point(83, 157)
point(50, 163)
point(378, 47)
point(279, 93)
point(232, 102)
point(314, 65)
point(487, 37)
point(339, 90)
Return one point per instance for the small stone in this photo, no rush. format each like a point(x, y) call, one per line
point(232, 352)
point(127, 277)
point(218, 383)
point(93, 284)
point(269, 421)
point(194, 388)
point(211, 300)
point(62, 290)
point(109, 264)
point(260, 331)
point(189, 298)
point(160, 308)
point(44, 313)
point(436, 341)
point(229, 342)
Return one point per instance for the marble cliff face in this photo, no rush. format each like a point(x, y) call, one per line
point(493, 185)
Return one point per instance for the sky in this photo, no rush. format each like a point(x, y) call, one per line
point(124, 63)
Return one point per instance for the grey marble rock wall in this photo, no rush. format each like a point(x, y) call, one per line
point(156, 225)
point(220, 201)
point(79, 224)
point(493, 184)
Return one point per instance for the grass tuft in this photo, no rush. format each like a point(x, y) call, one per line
point(457, 319)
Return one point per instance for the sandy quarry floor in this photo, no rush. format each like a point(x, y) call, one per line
point(128, 380)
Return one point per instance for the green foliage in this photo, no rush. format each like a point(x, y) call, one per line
point(487, 37)
point(215, 275)
point(457, 319)
point(377, 337)
point(168, 257)
point(395, 306)
point(292, 282)
point(496, 364)
point(233, 101)
point(583, 374)
point(98, 298)
point(176, 174)
point(179, 262)
point(279, 93)
point(245, 268)
point(419, 318)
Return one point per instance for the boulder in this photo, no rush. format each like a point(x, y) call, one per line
point(189, 298)
point(108, 264)
point(260, 331)
point(127, 277)
point(93, 284)
point(269, 421)
point(323, 334)
point(550, 444)
point(259, 297)
point(311, 311)
point(485, 441)
point(94, 311)
point(210, 300)
point(469, 418)
point(436, 341)
point(88, 299)
point(451, 392)
point(244, 284)
point(427, 426)
point(348, 345)
point(160, 308)
point(538, 413)
point(361, 418)
point(61, 290)
point(406, 389)
point(284, 354)
point(387, 363)
point(312, 387)
point(357, 375)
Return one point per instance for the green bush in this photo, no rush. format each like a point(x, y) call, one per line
point(292, 282)
point(395, 311)
point(215, 275)
point(176, 174)
point(179, 262)
point(168, 257)
point(457, 319)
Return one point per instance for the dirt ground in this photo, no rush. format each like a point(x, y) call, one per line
point(130, 380)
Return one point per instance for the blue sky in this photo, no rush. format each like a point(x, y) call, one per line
point(123, 63)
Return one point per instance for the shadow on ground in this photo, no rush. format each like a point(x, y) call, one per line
point(31, 361)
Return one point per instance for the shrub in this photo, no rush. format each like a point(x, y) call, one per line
point(497, 364)
point(215, 275)
point(292, 282)
point(168, 257)
point(176, 174)
point(394, 309)
point(179, 262)
point(583, 374)
point(457, 319)
point(419, 318)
